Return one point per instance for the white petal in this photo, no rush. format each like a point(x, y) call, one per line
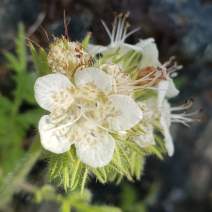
point(125, 48)
point(53, 91)
point(53, 139)
point(172, 90)
point(149, 54)
point(126, 114)
point(94, 76)
point(166, 113)
point(144, 42)
point(96, 150)
point(162, 90)
point(168, 139)
point(95, 49)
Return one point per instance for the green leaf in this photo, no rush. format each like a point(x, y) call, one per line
point(6, 104)
point(29, 118)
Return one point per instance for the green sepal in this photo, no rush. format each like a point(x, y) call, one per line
point(44, 62)
point(86, 40)
point(36, 59)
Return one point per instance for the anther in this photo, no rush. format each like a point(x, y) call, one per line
point(93, 134)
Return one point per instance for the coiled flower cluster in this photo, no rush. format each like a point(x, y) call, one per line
point(107, 113)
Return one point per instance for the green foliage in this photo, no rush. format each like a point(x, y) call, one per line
point(71, 200)
point(15, 122)
point(67, 170)
point(180, 81)
point(131, 200)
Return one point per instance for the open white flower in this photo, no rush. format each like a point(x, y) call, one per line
point(117, 38)
point(152, 114)
point(83, 114)
point(166, 87)
point(168, 117)
point(149, 57)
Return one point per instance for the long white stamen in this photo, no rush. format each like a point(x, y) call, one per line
point(107, 30)
point(114, 31)
point(130, 33)
point(121, 31)
point(118, 30)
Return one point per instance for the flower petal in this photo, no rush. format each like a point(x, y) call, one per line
point(172, 90)
point(162, 90)
point(95, 49)
point(53, 91)
point(149, 53)
point(144, 42)
point(95, 148)
point(126, 113)
point(166, 113)
point(168, 139)
point(52, 138)
point(90, 77)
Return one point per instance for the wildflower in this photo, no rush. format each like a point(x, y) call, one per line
point(166, 116)
point(83, 114)
point(117, 38)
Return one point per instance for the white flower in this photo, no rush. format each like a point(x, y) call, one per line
point(167, 88)
point(83, 114)
point(168, 117)
point(117, 42)
point(117, 38)
point(149, 57)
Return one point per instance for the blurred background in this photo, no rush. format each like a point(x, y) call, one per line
point(181, 28)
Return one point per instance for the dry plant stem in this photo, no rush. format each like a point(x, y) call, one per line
point(19, 174)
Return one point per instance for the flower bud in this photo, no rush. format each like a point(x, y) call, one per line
point(66, 57)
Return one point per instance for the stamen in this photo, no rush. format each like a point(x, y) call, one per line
point(114, 31)
point(130, 33)
point(107, 117)
point(107, 30)
point(185, 106)
point(93, 134)
point(118, 30)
